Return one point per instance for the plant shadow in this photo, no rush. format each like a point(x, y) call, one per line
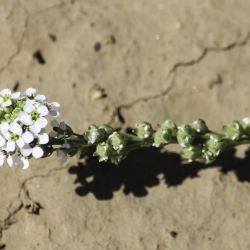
point(145, 168)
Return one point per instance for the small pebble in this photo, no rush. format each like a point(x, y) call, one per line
point(97, 46)
point(97, 92)
point(178, 25)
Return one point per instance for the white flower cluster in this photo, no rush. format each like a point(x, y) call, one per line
point(22, 126)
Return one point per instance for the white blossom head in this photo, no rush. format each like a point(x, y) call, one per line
point(23, 122)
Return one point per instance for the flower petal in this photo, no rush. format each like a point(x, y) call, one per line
point(15, 128)
point(43, 138)
point(10, 160)
point(30, 101)
point(26, 150)
point(42, 122)
point(25, 119)
point(37, 152)
point(6, 135)
point(43, 110)
point(40, 98)
point(2, 141)
point(16, 95)
point(20, 142)
point(2, 156)
point(54, 113)
point(5, 92)
point(28, 137)
point(30, 91)
point(28, 108)
point(35, 128)
point(7, 103)
point(4, 127)
point(25, 162)
point(10, 146)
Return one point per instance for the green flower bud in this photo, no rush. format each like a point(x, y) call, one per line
point(97, 134)
point(208, 157)
point(171, 126)
point(117, 141)
point(185, 135)
point(214, 145)
point(199, 126)
point(143, 130)
point(104, 151)
point(233, 130)
point(165, 134)
point(191, 153)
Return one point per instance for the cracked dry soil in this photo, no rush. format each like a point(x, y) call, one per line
point(149, 60)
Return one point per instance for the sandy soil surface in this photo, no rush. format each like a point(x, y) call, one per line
point(122, 62)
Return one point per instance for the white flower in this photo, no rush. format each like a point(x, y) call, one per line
point(30, 92)
point(13, 137)
point(6, 97)
point(34, 117)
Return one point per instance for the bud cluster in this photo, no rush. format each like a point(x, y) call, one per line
point(196, 140)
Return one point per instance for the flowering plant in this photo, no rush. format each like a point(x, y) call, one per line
point(23, 135)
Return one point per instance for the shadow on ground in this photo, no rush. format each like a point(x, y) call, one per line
point(144, 169)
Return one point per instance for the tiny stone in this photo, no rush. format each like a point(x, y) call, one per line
point(174, 234)
point(97, 92)
point(97, 46)
point(178, 25)
point(52, 37)
point(111, 40)
point(39, 56)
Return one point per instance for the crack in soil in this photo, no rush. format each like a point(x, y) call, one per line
point(26, 202)
point(117, 112)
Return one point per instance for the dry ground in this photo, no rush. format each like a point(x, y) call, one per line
point(123, 61)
